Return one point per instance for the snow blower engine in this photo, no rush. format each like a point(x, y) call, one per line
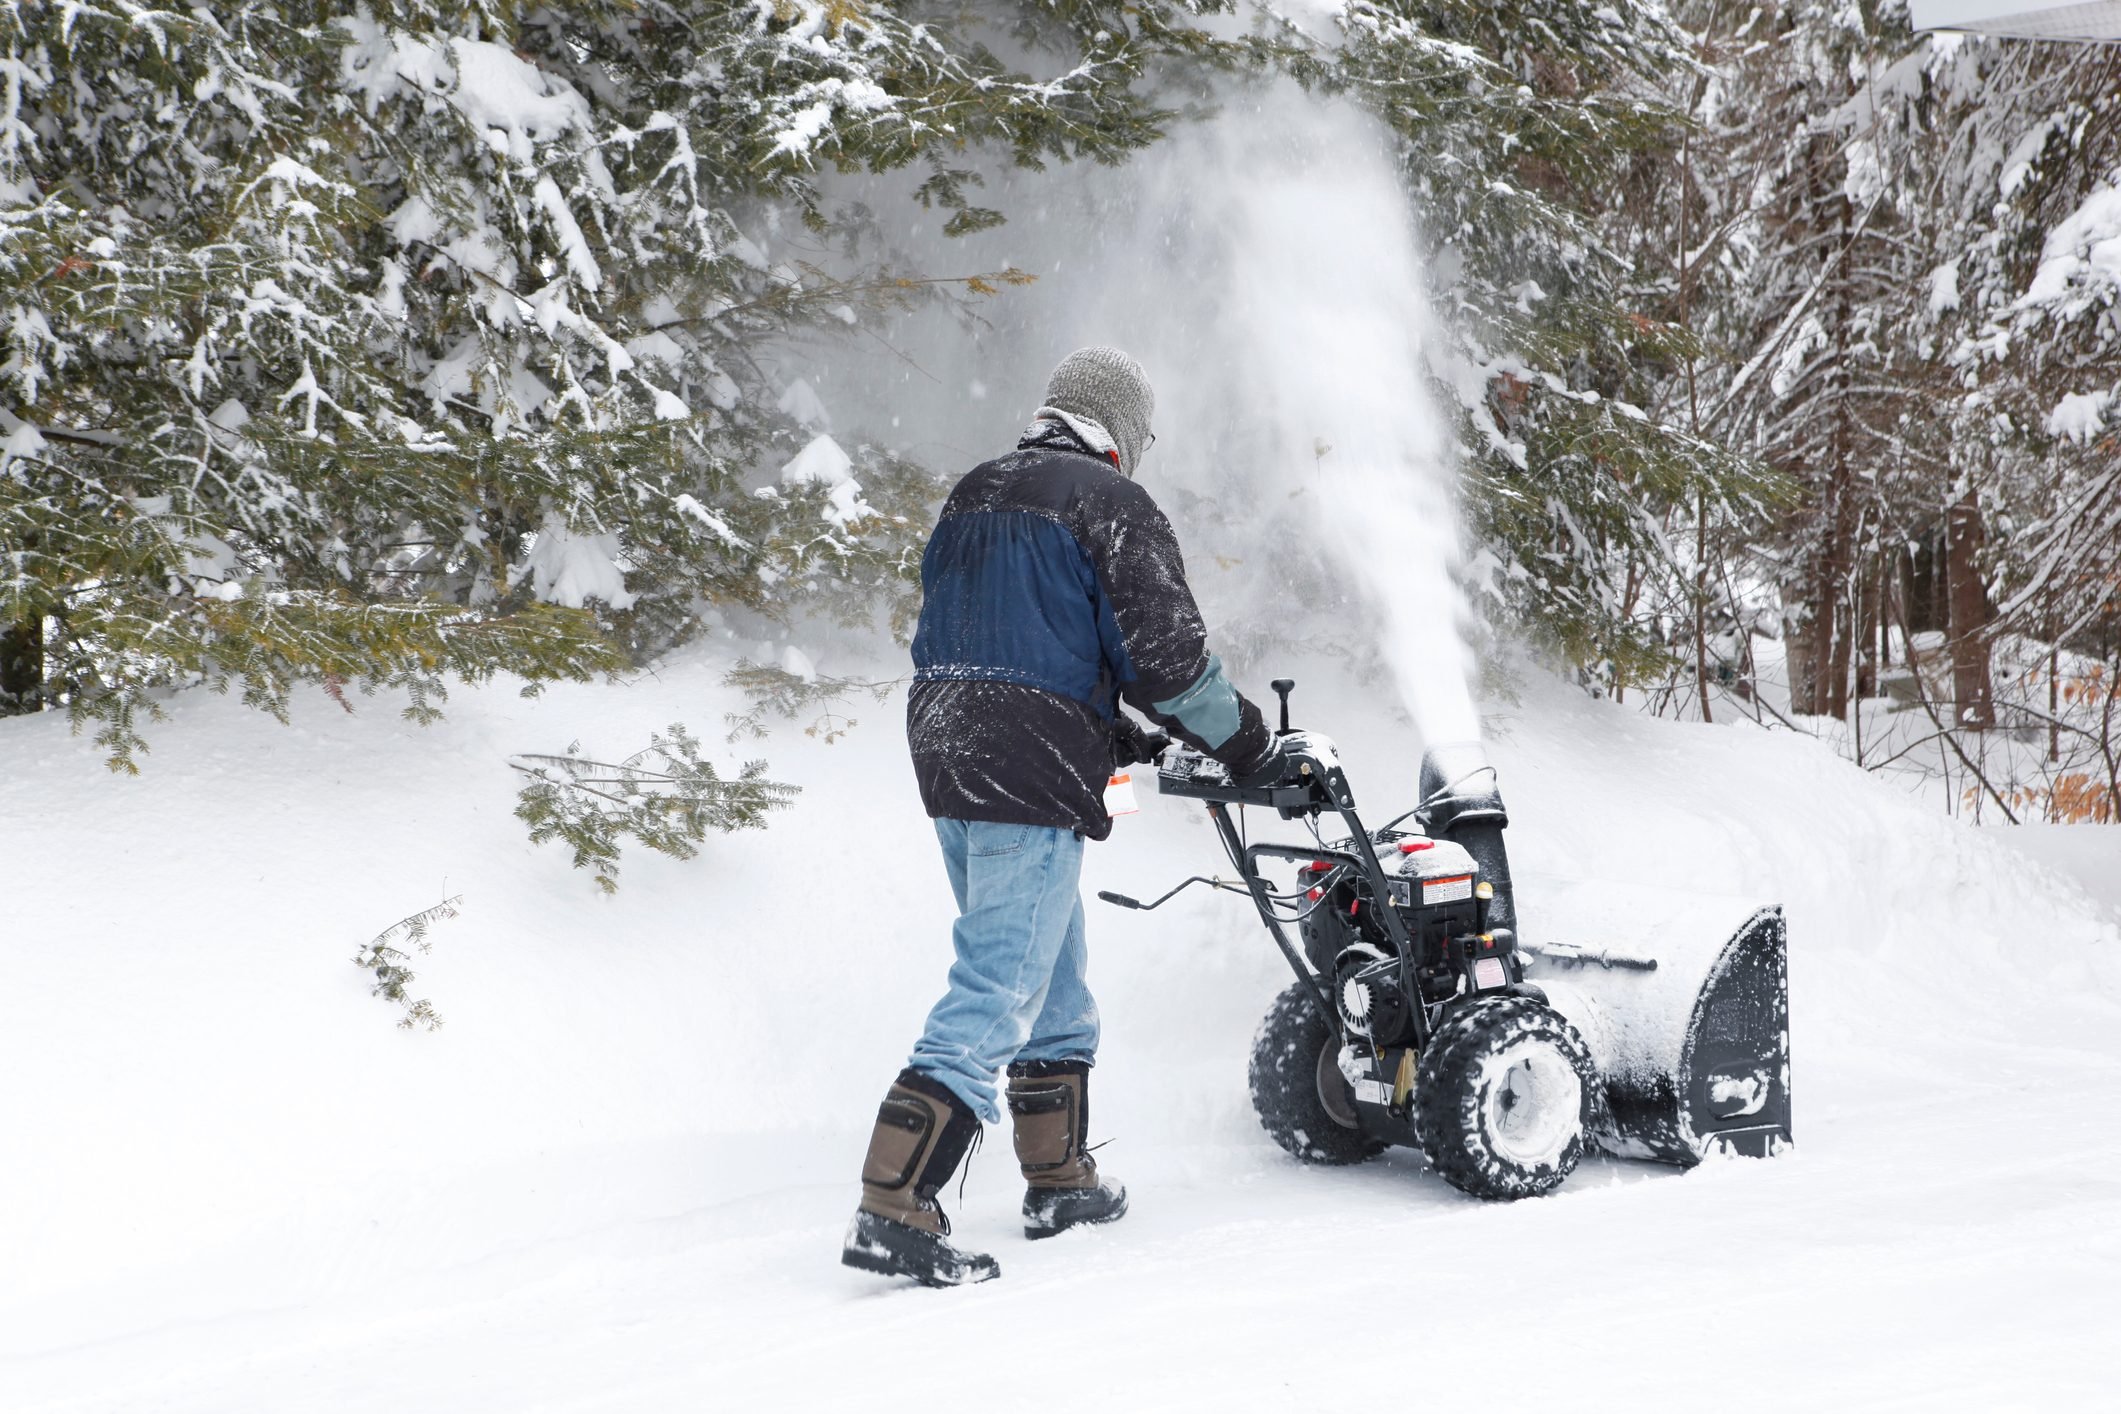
point(1422, 1016)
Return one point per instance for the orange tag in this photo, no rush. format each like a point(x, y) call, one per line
point(1119, 796)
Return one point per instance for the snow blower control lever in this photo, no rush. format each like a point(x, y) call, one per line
point(1282, 688)
point(1411, 1020)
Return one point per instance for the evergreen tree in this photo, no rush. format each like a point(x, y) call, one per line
point(422, 343)
point(2024, 318)
point(1820, 276)
point(1524, 127)
point(1912, 326)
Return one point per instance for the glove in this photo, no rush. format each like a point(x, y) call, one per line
point(1134, 743)
point(1274, 769)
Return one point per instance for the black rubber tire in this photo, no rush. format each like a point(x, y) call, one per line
point(1461, 1102)
point(1294, 1052)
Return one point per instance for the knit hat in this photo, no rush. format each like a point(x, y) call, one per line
point(1104, 386)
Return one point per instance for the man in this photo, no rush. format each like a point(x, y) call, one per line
point(1052, 587)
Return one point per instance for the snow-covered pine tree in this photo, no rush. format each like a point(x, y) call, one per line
point(1826, 230)
point(2023, 302)
point(1916, 331)
point(421, 342)
point(1525, 128)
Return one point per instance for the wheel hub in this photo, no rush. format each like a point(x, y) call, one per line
point(1532, 1102)
point(1334, 1092)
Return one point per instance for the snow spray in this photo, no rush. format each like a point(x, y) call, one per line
point(1319, 333)
point(1263, 265)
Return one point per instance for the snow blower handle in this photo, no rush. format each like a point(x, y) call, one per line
point(1282, 688)
point(1314, 783)
point(1317, 763)
point(1124, 902)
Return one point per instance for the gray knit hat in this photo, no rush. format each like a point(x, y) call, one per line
point(1108, 388)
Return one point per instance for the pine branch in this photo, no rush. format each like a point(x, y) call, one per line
point(385, 958)
point(663, 796)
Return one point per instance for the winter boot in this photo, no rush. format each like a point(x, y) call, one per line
point(922, 1132)
point(1050, 1104)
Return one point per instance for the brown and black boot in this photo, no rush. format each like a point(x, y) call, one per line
point(1049, 1101)
point(922, 1132)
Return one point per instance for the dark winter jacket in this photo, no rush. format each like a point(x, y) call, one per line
point(1052, 587)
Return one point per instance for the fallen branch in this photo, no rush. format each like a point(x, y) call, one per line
point(387, 961)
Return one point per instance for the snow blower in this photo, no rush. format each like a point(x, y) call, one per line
point(1422, 1015)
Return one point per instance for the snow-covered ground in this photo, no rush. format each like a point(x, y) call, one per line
point(617, 1177)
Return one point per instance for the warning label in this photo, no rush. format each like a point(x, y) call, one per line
point(1447, 890)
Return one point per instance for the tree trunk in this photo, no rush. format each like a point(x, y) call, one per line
point(1836, 609)
point(1819, 634)
point(1967, 599)
point(1701, 605)
point(1859, 650)
point(1841, 630)
point(2054, 693)
point(1800, 653)
point(1838, 613)
point(1898, 608)
point(21, 668)
point(1924, 596)
point(1868, 621)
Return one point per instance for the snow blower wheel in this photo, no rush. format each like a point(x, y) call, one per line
point(1504, 1097)
point(1411, 1021)
point(1302, 1099)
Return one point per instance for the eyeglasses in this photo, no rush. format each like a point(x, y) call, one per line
point(1150, 443)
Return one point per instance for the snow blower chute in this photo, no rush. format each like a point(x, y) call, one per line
point(1422, 1013)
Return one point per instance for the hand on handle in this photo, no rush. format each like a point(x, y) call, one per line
point(1135, 744)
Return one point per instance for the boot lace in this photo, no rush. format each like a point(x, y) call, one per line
point(979, 1136)
point(927, 1197)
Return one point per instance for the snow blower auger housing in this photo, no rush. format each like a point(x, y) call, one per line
point(1420, 1016)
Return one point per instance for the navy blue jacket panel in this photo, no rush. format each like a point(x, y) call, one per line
point(1053, 587)
point(1011, 596)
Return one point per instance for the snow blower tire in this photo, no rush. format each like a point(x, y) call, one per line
point(1302, 1099)
point(1504, 1096)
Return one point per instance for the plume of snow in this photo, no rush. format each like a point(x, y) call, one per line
point(1265, 270)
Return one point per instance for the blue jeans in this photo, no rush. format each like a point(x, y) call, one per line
point(1016, 990)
